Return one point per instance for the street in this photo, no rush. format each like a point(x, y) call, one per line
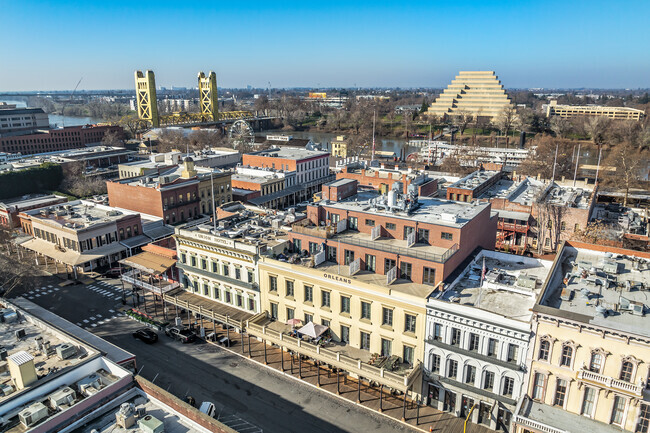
point(248, 397)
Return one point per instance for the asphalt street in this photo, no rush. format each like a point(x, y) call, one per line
point(249, 397)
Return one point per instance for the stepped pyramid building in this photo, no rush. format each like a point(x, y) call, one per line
point(479, 93)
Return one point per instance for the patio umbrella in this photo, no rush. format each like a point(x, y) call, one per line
point(312, 330)
point(293, 322)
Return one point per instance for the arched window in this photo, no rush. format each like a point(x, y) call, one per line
point(627, 370)
point(544, 350)
point(596, 362)
point(567, 355)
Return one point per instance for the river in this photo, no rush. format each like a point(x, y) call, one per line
point(57, 120)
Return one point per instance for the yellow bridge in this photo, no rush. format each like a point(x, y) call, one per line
point(145, 89)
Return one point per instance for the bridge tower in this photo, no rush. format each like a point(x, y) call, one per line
point(208, 96)
point(145, 94)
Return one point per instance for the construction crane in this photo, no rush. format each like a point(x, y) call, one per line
point(66, 104)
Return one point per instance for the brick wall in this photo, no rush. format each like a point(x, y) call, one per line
point(336, 193)
point(135, 197)
point(428, 189)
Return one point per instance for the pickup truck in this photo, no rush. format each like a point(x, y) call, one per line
point(184, 335)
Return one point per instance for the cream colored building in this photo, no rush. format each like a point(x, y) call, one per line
point(479, 93)
point(616, 113)
point(340, 147)
point(589, 363)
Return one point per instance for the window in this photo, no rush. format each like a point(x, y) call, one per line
point(455, 336)
point(544, 350)
point(215, 268)
point(596, 362)
point(643, 424)
point(297, 245)
point(274, 310)
point(386, 347)
point(474, 340)
point(390, 226)
point(332, 254)
point(407, 232)
point(588, 401)
point(407, 355)
point(290, 313)
point(488, 380)
point(405, 271)
point(309, 317)
point(349, 257)
point(387, 316)
point(335, 218)
point(183, 255)
point(538, 386)
point(435, 363)
point(353, 223)
point(192, 260)
point(365, 310)
point(508, 386)
point(370, 223)
point(437, 331)
point(470, 374)
point(289, 288)
point(513, 351)
point(388, 265)
point(251, 304)
point(325, 322)
point(227, 295)
point(309, 294)
point(345, 334)
point(365, 341)
point(371, 263)
point(446, 236)
point(452, 368)
point(226, 271)
point(576, 227)
point(251, 276)
point(325, 299)
point(409, 322)
point(563, 225)
point(345, 304)
point(273, 284)
point(560, 393)
point(429, 276)
point(567, 354)
point(240, 300)
point(313, 248)
point(238, 273)
point(423, 236)
point(627, 368)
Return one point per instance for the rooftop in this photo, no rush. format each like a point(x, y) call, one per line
point(567, 196)
point(523, 192)
point(169, 176)
point(79, 214)
point(474, 179)
point(601, 288)
point(30, 201)
point(509, 289)
point(287, 152)
point(428, 209)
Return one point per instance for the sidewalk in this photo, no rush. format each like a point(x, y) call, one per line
point(424, 418)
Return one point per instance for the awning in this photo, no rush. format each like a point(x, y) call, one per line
point(512, 215)
point(69, 256)
point(278, 194)
point(135, 241)
point(149, 262)
point(312, 330)
point(158, 232)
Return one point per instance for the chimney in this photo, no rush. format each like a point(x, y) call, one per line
point(22, 369)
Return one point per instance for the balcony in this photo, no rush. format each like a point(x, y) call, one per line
point(513, 227)
point(164, 287)
point(610, 383)
point(215, 276)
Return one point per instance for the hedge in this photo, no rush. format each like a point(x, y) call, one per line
point(46, 177)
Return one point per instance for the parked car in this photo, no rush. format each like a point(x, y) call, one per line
point(146, 335)
point(208, 409)
point(182, 334)
point(113, 273)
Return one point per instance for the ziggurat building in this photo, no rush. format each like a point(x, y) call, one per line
point(479, 93)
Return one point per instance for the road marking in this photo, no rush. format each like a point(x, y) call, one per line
point(117, 299)
point(111, 311)
point(37, 295)
point(94, 325)
point(56, 289)
point(92, 317)
point(30, 297)
point(98, 315)
point(86, 320)
point(50, 286)
point(79, 324)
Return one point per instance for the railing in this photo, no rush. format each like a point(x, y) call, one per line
point(610, 382)
point(513, 227)
point(527, 422)
point(336, 359)
point(319, 232)
point(129, 277)
point(409, 252)
point(210, 314)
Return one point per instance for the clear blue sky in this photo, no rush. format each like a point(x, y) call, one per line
point(568, 43)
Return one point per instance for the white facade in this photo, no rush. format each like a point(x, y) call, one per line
point(15, 121)
point(478, 334)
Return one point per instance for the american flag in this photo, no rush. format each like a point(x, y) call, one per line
point(483, 271)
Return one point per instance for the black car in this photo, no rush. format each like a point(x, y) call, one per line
point(182, 334)
point(146, 335)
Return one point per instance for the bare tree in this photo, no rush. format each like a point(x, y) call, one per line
point(506, 119)
point(560, 126)
point(628, 162)
point(541, 161)
point(462, 119)
point(132, 123)
point(549, 224)
point(596, 126)
point(112, 139)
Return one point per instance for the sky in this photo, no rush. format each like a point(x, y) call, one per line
point(50, 45)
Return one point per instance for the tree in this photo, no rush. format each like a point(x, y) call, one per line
point(112, 139)
point(462, 119)
point(18, 270)
point(540, 162)
point(628, 162)
point(425, 106)
point(132, 123)
point(506, 119)
point(595, 127)
point(78, 184)
point(549, 224)
point(560, 126)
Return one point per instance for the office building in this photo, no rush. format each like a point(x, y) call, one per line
point(553, 109)
point(18, 121)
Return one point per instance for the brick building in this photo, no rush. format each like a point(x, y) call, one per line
point(70, 137)
point(9, 209)
point(382, 179)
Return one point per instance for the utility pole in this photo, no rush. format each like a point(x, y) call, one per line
point(554, 162)
point(374, 113)
point(575, 172)
point(600, 152)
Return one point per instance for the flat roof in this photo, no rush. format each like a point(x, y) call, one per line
point(510, 287)
point(559, 419)
point(77, 215)
point(568, 196)
point(341, 182)
point(33, 200)
point(474, 179)
point(601, 288)
point(430, 210)
point(288, 152)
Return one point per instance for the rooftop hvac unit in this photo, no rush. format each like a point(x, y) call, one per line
point(20, 333)
point(66, 351)
point(3, 354)
point(33, 414)
point(150, 424)
point(64, 396)
point(6, 389)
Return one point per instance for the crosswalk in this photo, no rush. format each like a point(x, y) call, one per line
point(108, 290)
point(238, 424)
point(40, 291)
